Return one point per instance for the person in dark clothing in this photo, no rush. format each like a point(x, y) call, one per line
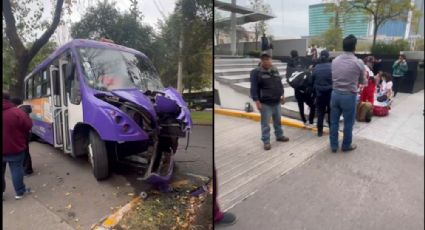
point(16, 127)
point(305, 94)
point(27, 160)
point(267, 92)
point(314, 53)
point(221, 218)
point(322, 84)
point(264, 43)
point(399, 72)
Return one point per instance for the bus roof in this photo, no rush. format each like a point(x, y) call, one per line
point(78, 43)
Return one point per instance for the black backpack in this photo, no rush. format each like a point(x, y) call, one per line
point(298, 77)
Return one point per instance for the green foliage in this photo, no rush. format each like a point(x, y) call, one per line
point(8, 64)
point(317, 40)
point(332, 39)
point(9, 61)
point(391, 48)
point(44, 52)
point(419, 45)
point(254, 53)
point(192, 18)
point(260, 27)
point(381, 11)
point(363, 46)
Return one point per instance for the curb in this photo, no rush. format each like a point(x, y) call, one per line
point(112, 220)
point(256, 117)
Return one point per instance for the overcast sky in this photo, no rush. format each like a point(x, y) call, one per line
point(150, 10)
point(291, 16)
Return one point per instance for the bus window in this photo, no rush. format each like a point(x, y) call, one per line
point(37, 85)
point(29, 87)
point(56, 88)
point(45, 84)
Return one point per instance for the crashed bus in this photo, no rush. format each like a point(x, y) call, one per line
point(107, 101)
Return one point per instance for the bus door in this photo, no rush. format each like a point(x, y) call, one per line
point(60, 107)
point(65, 114)
point(56, 105)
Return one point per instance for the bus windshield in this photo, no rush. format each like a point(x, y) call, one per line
point(108, 69)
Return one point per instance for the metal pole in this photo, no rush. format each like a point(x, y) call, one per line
point(180, 65)
point(233, 30)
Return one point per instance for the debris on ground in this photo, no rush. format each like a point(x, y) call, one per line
point(184, 208)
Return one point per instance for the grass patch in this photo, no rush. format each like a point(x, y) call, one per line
point(202, 117)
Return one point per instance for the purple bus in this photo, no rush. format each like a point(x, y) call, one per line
point(107, 101)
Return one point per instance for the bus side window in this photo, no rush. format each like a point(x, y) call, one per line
point(45, 84)
point(72, 85)
point(56, 88)
point(29, 87)
point(75, 93)
point(37, 85)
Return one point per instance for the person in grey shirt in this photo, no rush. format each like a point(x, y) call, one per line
point(347, 74)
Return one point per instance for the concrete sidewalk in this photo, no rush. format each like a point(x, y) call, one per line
point(29, 213)
point(244, 167)
point(374, 187)
point(402, 128)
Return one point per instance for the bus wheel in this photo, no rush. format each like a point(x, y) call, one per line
point(98, 156)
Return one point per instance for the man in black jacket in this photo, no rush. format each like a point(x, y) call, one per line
point(322, 84)
point(303, 94)
point(267, 92)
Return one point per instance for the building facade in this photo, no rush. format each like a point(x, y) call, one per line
point(361, 25)
point(320, 20)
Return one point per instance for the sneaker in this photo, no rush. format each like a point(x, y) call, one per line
point(319, 133)
point(282, 139)
point(267, 146)
point(351, 148)
point(334, 150)
point(18, 197)
point(228, 219)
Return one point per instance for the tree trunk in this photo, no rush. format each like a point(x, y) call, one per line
point(22, 54)
point(20, 71)
point(375, 33)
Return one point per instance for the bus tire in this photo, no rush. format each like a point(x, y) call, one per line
point(98, 156)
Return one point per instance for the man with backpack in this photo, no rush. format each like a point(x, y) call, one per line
point(347, 73)
point(267, 92)
point(322, 84)
point(299, 78)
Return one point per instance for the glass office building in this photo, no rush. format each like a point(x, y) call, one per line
point(356, 23)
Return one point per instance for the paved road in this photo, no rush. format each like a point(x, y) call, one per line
point(67, 196)
point(374, 187)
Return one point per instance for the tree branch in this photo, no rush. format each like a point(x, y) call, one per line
point(11, 31)
point(38, 44)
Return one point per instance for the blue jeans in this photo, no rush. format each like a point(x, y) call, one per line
point(17, 171)
point(342, 103)
point(267, 112)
